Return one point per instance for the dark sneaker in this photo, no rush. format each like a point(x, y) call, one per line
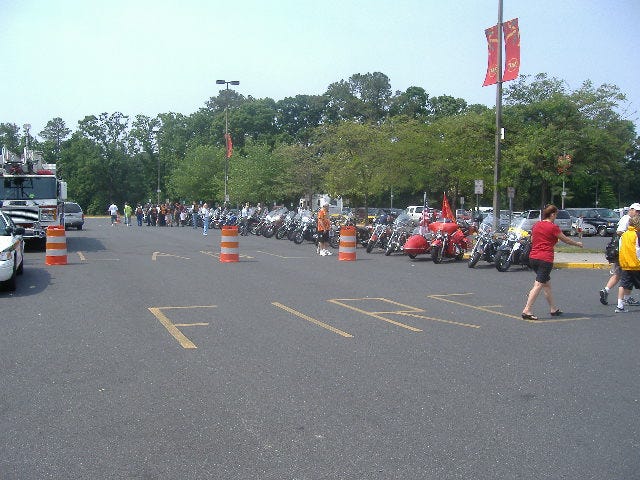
point(604, 297)
point(632, 301)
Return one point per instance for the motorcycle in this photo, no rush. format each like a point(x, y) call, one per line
point(380, 233)
point(514, 249)
point(307, 228)
point(288, 224)
point(273, 221)
point(402, 227)
point(450, 240)
point(486, 245)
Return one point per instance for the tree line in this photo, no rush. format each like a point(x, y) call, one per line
point(358, 140)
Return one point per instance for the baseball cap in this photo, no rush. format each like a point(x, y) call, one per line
point(635, 206)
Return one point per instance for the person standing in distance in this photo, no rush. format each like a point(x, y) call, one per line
point(206, 215)
point(113, 211)
point(623, 225)
point(324, 225)
point(544, 236)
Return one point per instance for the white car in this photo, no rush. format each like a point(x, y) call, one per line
point(11, 252)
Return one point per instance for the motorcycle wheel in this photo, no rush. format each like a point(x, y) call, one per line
point(269, 231)
point(334, 241)
point(389, 250)
point(281, 233)
point(502, 262)
point(299, 238)
point(474, 259)
point(436, 254)
point(370, 245)
point(255, 228)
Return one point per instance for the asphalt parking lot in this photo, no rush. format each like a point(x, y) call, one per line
point(147, 357)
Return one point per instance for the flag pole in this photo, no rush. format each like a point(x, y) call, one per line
point(496, 164)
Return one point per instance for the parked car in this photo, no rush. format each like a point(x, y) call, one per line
point(463, 215)
point(588, 230)
point(563, 220)
point(73, 215)
point(11, 252)
point(604, 219)
point(415, 212)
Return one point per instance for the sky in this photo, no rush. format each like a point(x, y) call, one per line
point(73, 58)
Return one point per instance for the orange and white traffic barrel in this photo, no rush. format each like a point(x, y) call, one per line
point(347, 247)
point(56, 250)
point(229, 251)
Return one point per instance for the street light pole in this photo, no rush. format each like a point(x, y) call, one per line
point(156, 133)
point(226, 134)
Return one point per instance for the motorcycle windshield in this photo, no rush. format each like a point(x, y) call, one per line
point(277, 214)
point(517, 227)
point(403, 220)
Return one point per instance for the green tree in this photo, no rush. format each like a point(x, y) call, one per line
point(200, 176)
point(54, 133)
point(10, 137)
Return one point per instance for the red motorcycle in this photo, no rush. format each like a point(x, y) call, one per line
point(417, 244)
point(450, 240)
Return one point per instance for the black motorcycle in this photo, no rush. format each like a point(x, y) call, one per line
point(486, 245)
point(514, 249)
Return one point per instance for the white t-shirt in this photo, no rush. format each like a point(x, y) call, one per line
point(623, 224)
point(113, 209)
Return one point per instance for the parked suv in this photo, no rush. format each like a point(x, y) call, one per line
point(604, 220)
point(73, 215)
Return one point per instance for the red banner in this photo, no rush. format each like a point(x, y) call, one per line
point(227, 137)
point(511, 50)
point(492, 45)
point(446, 209)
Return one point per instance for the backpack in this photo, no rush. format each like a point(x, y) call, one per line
point(612, 249)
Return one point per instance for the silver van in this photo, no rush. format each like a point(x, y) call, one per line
point(563, 220)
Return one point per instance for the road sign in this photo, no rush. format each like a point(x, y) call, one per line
point(479, 187)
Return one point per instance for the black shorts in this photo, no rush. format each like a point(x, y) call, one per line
point(542, 269)
point(323, 235)
point(630, 279)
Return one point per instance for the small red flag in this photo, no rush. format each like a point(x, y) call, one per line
point(446, 209)
point(492, 67)
point(511, 50)
point(227, 137)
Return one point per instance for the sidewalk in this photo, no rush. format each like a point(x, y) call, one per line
point(580, 260)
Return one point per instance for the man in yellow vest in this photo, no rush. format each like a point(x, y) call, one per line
point(629, 263)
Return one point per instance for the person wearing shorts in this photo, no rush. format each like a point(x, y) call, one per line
point(324, 225)
point(544, 236)
point(629, 263)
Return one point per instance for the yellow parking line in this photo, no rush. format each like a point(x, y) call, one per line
point(312, 320)
point(276, 255)
point(172, 329)
point(433, 319)
point(508, 315)
point(337, 301)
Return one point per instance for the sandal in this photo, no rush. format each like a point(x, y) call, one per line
point(557, 313)
point(526, 316)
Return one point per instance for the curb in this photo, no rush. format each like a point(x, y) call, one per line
point(598, 266)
